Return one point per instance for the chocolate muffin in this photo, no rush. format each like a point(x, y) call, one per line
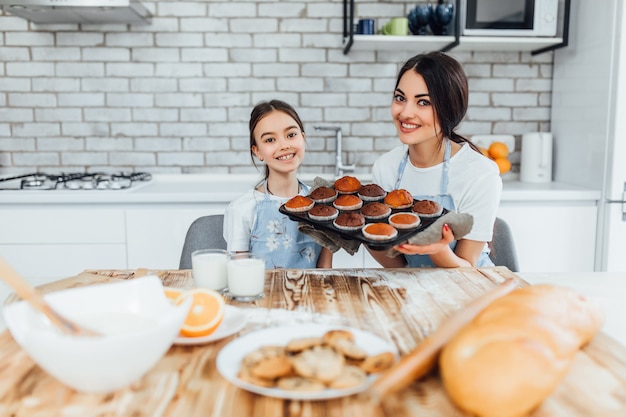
point(379, 231)
point(323, 213)
point(299, 204)
point(427, 208)
point(372, 192)
point(323, 195)
point(375, 211)
point(399, 199)
point(349, 221)
point(348, 202)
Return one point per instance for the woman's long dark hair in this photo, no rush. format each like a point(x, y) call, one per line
point(263, 109)
point(447, 87)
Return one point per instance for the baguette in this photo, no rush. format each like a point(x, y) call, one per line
point(516, 351)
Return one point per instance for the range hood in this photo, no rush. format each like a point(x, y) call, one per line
point(79, 11)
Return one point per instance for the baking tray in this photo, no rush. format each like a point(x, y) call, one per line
point(328, 225)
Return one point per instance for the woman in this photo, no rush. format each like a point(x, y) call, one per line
point(252, 222)
point(435, 163)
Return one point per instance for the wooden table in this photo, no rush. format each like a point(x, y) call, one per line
point(400, 305)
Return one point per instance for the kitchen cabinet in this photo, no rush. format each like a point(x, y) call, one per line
point(48, 235)
point(155, 236)
point(552, 236)
point(45, 243)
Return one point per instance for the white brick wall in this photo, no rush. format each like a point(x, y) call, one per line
point(175, 96)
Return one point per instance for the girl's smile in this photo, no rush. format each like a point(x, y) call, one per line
point(279, 142)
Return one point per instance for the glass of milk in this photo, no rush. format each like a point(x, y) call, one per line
point(246, 276)
point(209, 270)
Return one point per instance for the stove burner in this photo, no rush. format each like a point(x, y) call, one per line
point(74, 181)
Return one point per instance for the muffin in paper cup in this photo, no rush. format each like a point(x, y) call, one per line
point(427, 208)
point(404, 220)
point(379, 231)
point(323, 213)
point(349, 221)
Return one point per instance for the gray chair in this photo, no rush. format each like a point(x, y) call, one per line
point(204, 233)
point(502, 246)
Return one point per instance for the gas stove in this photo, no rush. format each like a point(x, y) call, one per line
point(74, 181)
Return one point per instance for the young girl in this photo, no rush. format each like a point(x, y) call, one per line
point(435, 163)
point(252, 222)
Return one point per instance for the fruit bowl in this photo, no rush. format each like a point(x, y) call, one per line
point(137, 322)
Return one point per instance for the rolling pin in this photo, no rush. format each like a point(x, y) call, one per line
point(423, 358)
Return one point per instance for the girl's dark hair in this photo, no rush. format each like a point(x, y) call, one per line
point(447, 87)
point(263, 109)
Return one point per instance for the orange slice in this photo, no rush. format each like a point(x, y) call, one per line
point(173, 293)
point(206, 312)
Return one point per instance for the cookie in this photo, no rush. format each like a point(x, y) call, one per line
point(264, 352)
point(303, 343)
point(332, 335)
point(348, 349)
point(245, 375)
point(298, 383)
point(321, 362)
point(272, 368)
point(350, 376)
point(378, 363)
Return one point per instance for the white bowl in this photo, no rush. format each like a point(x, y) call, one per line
point(101, 364)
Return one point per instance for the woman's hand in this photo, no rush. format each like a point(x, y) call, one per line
point(433, 248)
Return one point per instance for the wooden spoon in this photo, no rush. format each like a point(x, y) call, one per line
point(423, 358)
point(34, 297)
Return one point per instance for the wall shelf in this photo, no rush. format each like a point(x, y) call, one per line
point(466, 43)
point(536, 45)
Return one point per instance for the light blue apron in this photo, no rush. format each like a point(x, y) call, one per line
point(277, 239)
point(446, 201)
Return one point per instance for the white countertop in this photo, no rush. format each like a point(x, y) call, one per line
point(223, 188)
point(608, 288)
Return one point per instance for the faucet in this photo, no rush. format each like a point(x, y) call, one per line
point(340, 168)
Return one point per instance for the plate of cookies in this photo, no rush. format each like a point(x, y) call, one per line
point(366, 212)
point(306, 361)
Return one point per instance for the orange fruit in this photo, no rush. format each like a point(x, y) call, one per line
point(206, 312)
point(498, 150)
point(503, 164)
point(484, 151)
point(172, 293)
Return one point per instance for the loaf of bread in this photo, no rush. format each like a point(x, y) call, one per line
point(507, 360)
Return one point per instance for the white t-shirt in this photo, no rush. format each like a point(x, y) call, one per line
point(240, 216)
point(474, 183)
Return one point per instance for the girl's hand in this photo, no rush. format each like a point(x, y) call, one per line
point(433, 248)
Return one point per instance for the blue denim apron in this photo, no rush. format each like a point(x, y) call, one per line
point(276, 237)
point(446, 201)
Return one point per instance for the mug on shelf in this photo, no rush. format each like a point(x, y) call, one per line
point(366, 27)
point(398, 26)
